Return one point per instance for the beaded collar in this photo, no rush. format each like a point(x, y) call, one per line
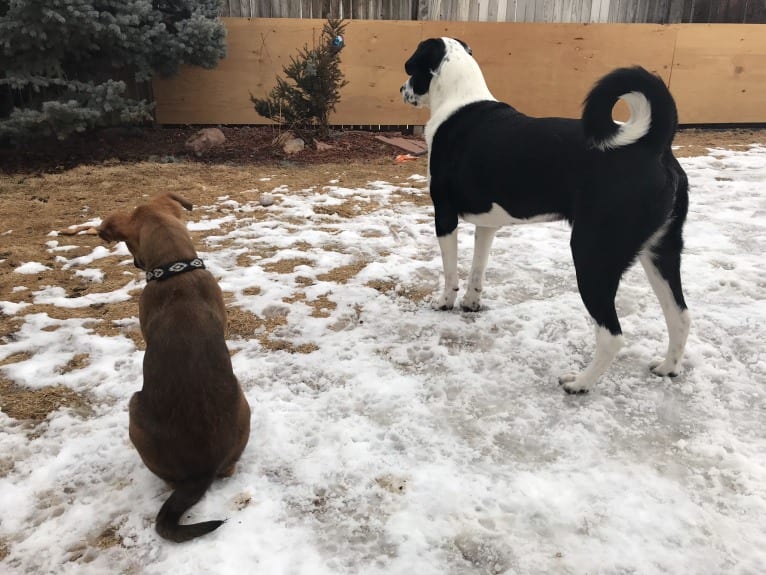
point(175, 268)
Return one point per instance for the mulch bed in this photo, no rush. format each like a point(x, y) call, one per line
point(255, 145)
point(244, 145)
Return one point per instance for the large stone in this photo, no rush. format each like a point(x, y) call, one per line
point(294, 146)
point(204, 141)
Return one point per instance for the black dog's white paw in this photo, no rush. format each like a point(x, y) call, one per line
point(574, 384)
point(664, 368)
point(470, 307)
point(444, 301)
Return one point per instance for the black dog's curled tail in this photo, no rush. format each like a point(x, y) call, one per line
point(653, 115)
point(185, 495)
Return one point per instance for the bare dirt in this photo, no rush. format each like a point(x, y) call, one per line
point(55, 185)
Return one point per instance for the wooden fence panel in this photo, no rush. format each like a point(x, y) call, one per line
point(542, 69)
point(547, 69)
point(755, 11)
point(719, 73)
point(617, 11)
point(560, 11)
point(373, 63)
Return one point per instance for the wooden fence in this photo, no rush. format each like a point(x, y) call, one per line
point(578, 11)
point(717, 72)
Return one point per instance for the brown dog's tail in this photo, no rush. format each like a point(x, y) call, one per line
point(185, 495)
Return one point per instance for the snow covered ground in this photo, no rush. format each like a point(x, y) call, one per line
point(413, 441)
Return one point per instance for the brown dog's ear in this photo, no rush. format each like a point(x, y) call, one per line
point(181, 200)
point(113, 228)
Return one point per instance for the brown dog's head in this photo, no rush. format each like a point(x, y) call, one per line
point(126, 227)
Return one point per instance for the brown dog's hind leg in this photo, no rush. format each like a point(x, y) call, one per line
point(228, 471)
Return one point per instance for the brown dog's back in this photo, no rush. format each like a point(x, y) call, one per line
point(190, 422)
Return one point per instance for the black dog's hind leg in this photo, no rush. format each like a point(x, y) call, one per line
point(599, 270)
point(662, 264)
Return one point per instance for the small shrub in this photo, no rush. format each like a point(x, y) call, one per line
point(304, 103)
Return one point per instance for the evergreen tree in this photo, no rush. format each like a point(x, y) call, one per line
point(65, 65)
point(304, 105)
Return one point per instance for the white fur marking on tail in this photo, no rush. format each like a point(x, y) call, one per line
point(636, 127)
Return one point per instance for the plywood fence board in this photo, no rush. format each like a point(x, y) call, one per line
point(541, 69)
point(257, 51)
point(373, 63)
point(719, 73)
point(547, 69)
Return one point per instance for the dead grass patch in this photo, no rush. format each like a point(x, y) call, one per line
point(420, 199)
point(247, 325)
point(23, 403)
point(79, 361)
point(373, 234)
point(696, 142)
point(16, 358)
point(105, 316)
point(343, 273)
point(286, 266)
point(108, 538)
point(322, 306)
point(347, 209)
point(288, 346)
point(298, 296)
point(344, 210)
point(415, 294)
point(4, 551)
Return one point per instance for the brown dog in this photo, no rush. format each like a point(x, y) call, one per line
point(190, 422)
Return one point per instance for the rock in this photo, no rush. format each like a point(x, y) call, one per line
point(205, 140)
point(282, 138)
point(482, 553)
point(266, 200)
point(321, 146)
point(294, 146)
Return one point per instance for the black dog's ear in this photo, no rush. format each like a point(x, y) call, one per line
point(464, 45)
point(427, 57)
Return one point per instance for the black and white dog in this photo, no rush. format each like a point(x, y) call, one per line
point(619, 186)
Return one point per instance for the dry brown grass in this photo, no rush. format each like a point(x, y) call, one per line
point(16, 358)
point(108, 538)
point(286, 266)
point(322, 306)
point(246, 325)
point(79, 361)
point(342, 274)
point(349, 208)
point(695, 142)
point(415, 294)
point(23, 403)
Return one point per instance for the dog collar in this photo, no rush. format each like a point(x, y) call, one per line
point(175, 268)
